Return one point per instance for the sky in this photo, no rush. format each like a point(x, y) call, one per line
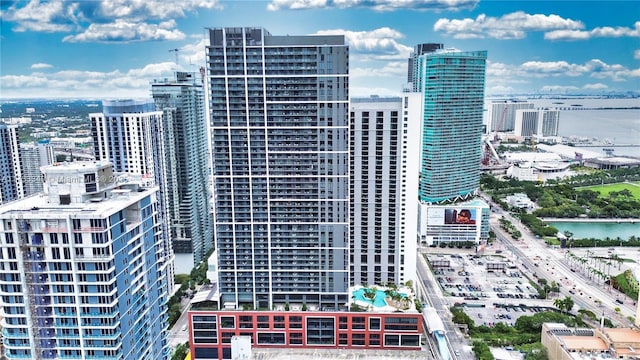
point(103, 49)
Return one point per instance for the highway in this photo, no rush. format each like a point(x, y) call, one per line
point(524, 252)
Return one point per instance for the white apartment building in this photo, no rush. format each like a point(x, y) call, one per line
point(385, 142)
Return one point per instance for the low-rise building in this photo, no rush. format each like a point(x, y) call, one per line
point(565, 343)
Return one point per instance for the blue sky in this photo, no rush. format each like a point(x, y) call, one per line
point(114, 48)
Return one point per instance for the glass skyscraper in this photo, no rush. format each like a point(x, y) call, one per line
point(452, 83)
point(280, 131)
point(184, 163)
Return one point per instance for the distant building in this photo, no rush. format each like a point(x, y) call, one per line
point(34, 156)
point(124, 134)
point(11, 176)
point(502, 114)
point(537, 123)
point(565, 343)
point(413, 79)
point(84, 269)
point(184, 171)
point(521, 201)
point(384, 174)
point(539, 171)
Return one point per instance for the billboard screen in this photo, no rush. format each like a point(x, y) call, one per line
point(461, 216)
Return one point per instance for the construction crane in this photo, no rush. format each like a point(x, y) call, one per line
point(175, 51)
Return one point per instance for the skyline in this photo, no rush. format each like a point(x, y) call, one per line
point(106, 49)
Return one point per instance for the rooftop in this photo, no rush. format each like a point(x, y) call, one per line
point(623, 335)
point(583, 343)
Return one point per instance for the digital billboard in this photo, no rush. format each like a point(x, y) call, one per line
point(460, 216)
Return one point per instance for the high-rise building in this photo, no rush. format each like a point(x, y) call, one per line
point(129, 134)
point(413, 78)
point(33, 156)
point(124, 135)
point(279, 128)
point(452, 83)
point(384, 181)
point(539, 122)
point(11, 183)
point(502, 114)
point(185, 160)
point(84, 269)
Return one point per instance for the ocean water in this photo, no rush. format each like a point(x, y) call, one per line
point(621, 126)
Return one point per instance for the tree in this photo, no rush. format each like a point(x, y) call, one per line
point(565, 305)
point(180, 352)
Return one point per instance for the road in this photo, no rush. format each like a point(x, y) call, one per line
point(455, 339)
point(176, 335)
point(553, 266)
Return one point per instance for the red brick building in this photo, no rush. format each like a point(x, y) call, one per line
point(210, 332)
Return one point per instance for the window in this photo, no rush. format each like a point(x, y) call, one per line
point(271, 338)
point(374, 323)
point(227, 322)
point(391, 340)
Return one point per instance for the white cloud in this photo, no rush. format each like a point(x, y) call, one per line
point(604, 32)
point(376, 5)
point(194, 53)
point(77, 83)
point(391, 69)
point(41, 66)
point(510, 26)
point(296, 4)
point(597, 86)
point(50, 16)
point(124, 31)
point(636, 54)
point(378, 44)
point(594, 68)
point(105, 20)
point(152, 9)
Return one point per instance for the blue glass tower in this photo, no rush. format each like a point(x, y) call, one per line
point(452, 83)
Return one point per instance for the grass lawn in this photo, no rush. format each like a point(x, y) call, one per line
point(604, 190)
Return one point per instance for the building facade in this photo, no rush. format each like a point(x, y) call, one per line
point(11, 181)
point(502, 114)
point(84, 269)
point(124, 135)
point(279, 129)
point(452, 83)
point(537, 123)
point(212, 331)
point(384, 172)
point(185, 164)
point(33, 156)
point(413, 79)
point(464, 224)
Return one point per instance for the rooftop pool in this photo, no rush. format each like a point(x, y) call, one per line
point(378, 300)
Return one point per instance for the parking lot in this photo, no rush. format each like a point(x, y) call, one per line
point(490, 288)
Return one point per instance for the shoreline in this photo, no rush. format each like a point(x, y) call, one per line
point(592, 220)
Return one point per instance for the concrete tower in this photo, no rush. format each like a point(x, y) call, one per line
point(280, 131)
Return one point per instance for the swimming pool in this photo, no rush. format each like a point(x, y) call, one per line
point(378, 300)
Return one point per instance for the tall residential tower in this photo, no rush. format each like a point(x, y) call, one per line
point(185, 182)
point(11, 179)
point(452, 84)
point(384, 181)
point(280, 131)
point(84, 269)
